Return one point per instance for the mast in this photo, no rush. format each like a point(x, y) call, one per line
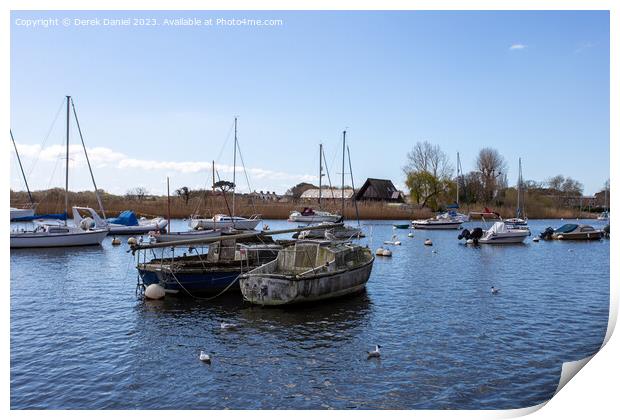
point(357, 213)
point(92, 177)
point(168, 197)
point(234, 170)
point(22, 169)
point(519, 191)
point(320, 171)
point(344, 136)
point(67, 165)
point(458, 177)
point(213, 191)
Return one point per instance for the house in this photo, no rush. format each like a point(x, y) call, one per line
point(265, 196)
point(379, 190)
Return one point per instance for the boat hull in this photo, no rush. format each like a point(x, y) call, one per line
point(276, 290)
point(436, 226)
point(314, 218)
point(504, 239)
point(21, 213)
point(203, 283)
point(136, 230)
point(579, 236)
point(249, 224)
point(45, 240)
point(192, 234)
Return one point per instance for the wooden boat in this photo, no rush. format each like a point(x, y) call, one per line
point(571, 231)
point(309, 271)
point(211, 273)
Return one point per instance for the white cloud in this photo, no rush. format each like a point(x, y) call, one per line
point(102, 157)
point(517, 47)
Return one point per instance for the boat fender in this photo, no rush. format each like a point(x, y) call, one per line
point(155, 292)
point(410, 234)
point(560, 236)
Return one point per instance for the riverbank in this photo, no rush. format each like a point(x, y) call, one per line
point(52, 201)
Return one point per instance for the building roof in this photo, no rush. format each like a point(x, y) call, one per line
point(378, 189)
point(328, 193)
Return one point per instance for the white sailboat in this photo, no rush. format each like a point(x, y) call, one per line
point(222, 221)
point(518, 220)
point(308, 214)
point(60, 235)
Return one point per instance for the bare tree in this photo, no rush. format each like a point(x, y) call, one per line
point(428, 173)
point(555, 183)
point(492, 167)
point(185, 193)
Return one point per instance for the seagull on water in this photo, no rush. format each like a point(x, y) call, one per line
point(204, 357)
point(375, 352)
point(494, 290)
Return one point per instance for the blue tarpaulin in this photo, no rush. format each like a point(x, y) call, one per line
point(126, 218)
point(58, 216)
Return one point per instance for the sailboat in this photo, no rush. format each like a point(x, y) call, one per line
point(605, 214)
point(518, 220)
point(308, 214)
point(341, 232)
point(223, 221)
point(46, 234)
point(452, 213)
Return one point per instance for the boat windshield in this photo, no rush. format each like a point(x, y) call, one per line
point(567, 228)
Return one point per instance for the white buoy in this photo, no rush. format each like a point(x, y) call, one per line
point(155, 291)
point(387, 253)
point(535, 239)
point(132, 241)
point(410, 234)
point(469, 241)
point(379, 251)
point(428, 242)
point(116, 241)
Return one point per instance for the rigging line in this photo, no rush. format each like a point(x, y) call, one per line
point(92, 176)
point(331, 188)
point(49, 132)
point(21, 168)
point(203, 197)
point(247, 179)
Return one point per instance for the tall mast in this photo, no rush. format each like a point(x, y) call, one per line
point(458, 177)
point(320, 171)
point(92, 177)
point(22, 169)
point(234, 170)
point(344, 136)
point(67, 166)
point(168, 198)
point(357, 213)
point(519, 191)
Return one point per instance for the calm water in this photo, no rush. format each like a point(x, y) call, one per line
point(82, 339)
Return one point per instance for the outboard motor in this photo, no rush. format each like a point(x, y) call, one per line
point(476, 234)
point(547, 233)
point(464, 234)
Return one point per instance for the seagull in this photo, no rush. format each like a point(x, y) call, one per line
point(494, 290)
point(375, 352)
point(205, 357)
point(227, 326)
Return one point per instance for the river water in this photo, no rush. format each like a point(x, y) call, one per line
point(81, 338)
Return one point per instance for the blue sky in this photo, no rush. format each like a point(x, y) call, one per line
point(160, 101)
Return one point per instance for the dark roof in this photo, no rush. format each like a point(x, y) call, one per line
point(378, 189)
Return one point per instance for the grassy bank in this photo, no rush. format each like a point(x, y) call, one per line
point(52, 201)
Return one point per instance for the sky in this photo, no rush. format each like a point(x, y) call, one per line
point(159, 101)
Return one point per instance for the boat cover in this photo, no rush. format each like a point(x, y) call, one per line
point(452, 206)
point(498, 227)
point(57, 216)
point(126, 218)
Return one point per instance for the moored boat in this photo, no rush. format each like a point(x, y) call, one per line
point(126, 223)
point(21, 213)
point(215, 272)
point(190, 234)
point(571, 231)
point(309, 215)
point(222, 221)
point(443, 221)
point(502, 233)
point(309, 271)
